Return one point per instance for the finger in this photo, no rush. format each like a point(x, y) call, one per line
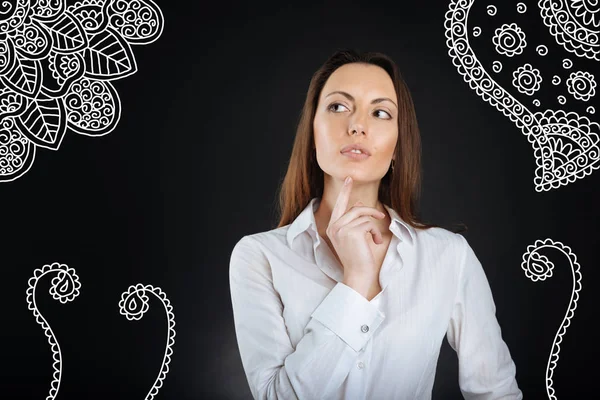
point(341, 204)
point(357, 222)
point(360, 203)
point(357, 215)
point(362, 210)
point(370, 227)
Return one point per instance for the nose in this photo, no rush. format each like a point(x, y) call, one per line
point(357, 126)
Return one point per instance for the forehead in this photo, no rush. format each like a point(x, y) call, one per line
point(360, 79)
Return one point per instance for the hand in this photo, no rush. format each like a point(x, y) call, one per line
point(348, 231)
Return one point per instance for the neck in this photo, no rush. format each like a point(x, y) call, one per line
point(365, 192)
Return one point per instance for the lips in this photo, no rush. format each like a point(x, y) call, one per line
point(360, 147)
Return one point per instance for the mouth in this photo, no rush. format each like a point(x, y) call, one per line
point(355, 155)
point(355, 148)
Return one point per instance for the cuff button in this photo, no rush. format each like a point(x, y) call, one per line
point(364, 328)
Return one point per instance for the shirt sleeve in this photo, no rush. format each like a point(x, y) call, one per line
point(333, 338)
point(486, 369)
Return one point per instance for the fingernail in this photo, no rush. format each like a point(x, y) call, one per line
point(347, 181)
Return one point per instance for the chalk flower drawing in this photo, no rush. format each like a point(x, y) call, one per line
point(588, 11)
point(509, 40)
point(64, 287)
point(56, 68)
point(538, 267)
point(581, 85)
point(527, 79)
point(574, 24)
point(549, 131)
point(134, 304)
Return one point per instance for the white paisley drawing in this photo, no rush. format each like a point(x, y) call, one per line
point(65, 286)
point(538, 267)
point(566, 144)
point(56, 64)
point(133, 304)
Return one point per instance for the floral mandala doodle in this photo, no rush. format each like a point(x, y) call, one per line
point(574, 24)
point(56, 64)
point(538, 267)
point(64, 288)
point(133, 304)
point(566, 144)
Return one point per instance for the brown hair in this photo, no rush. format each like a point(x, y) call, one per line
point(399, 188)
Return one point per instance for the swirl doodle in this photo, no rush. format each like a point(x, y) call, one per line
point(476, 31)
point(538, 267)
point(536, 102)
point(542, 50)
point(93, 107)
point(581, 85)
point(497, 66)
point(134, 304)
point(491, 10)
point(527, 79)
point(64, 287)
point(566, 145)
point(16, 151)
point(137, 21)
point(561, 99)
point(56, 62)
point(590, 109)
point(567, 64)
point(13, 15)
point(521, 8)
point(47, 10)
point(556, 80)
point(509, 40)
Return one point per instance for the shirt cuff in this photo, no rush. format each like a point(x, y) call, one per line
point(349, 315)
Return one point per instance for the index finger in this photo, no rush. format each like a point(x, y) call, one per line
point(341, 204)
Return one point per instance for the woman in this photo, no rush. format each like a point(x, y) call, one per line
point(350, 296)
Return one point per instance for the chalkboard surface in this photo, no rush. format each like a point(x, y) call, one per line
point(140, 140)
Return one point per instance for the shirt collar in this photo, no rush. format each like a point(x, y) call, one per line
point(306, 219)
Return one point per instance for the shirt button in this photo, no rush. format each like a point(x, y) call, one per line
point(364, 328)
point(361, 365)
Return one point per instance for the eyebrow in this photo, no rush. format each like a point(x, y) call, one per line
point(351, 98)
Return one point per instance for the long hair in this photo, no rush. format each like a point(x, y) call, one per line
point(399, 188)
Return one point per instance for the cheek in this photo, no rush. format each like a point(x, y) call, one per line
point(322, 125)
point(324, 135)
point(385, 147)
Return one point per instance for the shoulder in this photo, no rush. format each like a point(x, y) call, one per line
point(441, 236)
point(442, 242)
point(252, 254)
point(263, 240)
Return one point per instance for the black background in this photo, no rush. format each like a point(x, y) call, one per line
point(206, 131)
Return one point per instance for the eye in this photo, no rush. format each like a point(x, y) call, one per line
point(338, 104)
point(390, 117)
point(333, 105)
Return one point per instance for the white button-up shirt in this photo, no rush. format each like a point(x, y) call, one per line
point(303, 334)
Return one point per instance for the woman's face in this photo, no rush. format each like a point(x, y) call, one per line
point(375, 124)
